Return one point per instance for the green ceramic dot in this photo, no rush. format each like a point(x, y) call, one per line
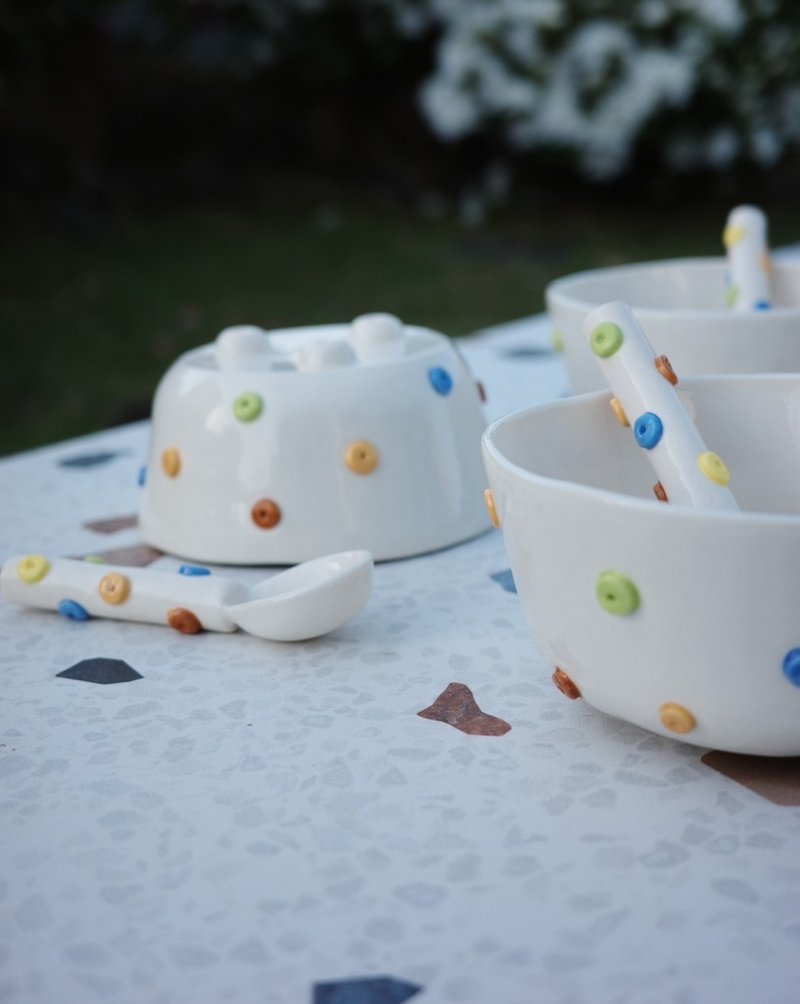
point(606, 339)
point(732, 296)
point(247, 407)
point(557, 340)
point(616, 594)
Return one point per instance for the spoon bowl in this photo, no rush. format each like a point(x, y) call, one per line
point(308, 600)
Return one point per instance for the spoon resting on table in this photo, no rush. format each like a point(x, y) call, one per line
point(303, 602)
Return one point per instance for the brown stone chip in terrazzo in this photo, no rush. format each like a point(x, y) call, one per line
point(457, 706)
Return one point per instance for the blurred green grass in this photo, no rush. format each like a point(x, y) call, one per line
point(91, 319)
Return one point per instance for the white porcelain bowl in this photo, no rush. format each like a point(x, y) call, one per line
point(681, 306)
point(710, 654)
point(274, 448)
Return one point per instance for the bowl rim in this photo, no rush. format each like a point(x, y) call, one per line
point(559, 290)
point(635, 504)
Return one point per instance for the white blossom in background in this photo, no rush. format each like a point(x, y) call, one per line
point(590, 77)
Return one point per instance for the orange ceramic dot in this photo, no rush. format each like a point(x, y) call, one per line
point(664, 367)
point(619, 412)
point(676, 718)
point(171, 462)
point(361, 457)
point(266, 514)
point(660, 492)
point(115, 588)
point(184, 620)
point(566, 685)
point(491, 508)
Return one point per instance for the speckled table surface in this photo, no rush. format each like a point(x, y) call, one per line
point(245, 821)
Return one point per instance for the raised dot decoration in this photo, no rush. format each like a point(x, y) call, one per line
point(664, 367)
point(171, 462)
point(491, 508)
point(676, 718)
point(193, 570)
point(617, 594)
point(33, 568)
point(660, 492)
point(247, 407)
point(556, 340)
point(114, 588)
point(362, 457)
point(183, 620)
point(566, 684)
point(94, 559)
point(266, 514)
point(73, 611)
point(606, 339)
point(440, 380)
point(713, 468)
point(619, 413)
point(791, 666)
point(648, 430)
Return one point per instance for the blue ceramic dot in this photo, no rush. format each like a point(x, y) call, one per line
point(440, 379)
point(762, 305)
point(648, 430)
point(142, 477)
point(791, 666)
point(194, 570)
point(73, 611)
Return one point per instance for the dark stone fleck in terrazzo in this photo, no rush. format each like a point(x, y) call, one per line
point(457, 706)
point(113, 524)
point(506, 580)
point(526, 352)
point(365, 990)
point(90, 459)
point(101, 671)
point(135, 556)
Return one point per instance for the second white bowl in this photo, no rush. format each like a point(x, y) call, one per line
point(681, 306)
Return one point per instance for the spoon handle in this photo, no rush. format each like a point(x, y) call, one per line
point(645, 398)
point(82, 589)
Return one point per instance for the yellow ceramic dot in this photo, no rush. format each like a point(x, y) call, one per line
point(619, 412)
point(676, 718)
point(171, 462)
point(491, 508)
point(557, 340)
point(114, 588)
point(362, 457)
point(713, 468)
point(33, 568)
point(731, 236)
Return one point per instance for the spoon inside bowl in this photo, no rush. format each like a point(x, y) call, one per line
point(745, 240)
point(303, 602)
point(643, 386)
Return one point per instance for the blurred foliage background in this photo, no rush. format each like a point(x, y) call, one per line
point(170, 168)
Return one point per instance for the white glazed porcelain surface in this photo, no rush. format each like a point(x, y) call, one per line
point(681, 306)
point(321, 390)
point(720, 591)
point(303, 602)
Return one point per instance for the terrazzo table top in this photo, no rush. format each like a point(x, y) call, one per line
point(249, 822)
